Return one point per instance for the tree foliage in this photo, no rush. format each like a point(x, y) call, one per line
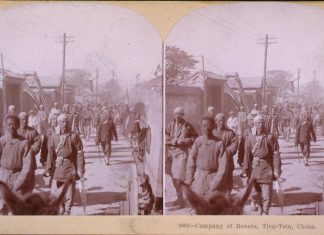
point(77, 78)
point(178, 63)
point(113, 91)
point(312, 92)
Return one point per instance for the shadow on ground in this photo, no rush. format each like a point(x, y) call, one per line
point(101, 198)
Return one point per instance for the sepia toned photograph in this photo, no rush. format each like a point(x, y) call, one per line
point(244, 111)
point(81, 111)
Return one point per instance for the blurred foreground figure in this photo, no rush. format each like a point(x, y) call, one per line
point(16, 161)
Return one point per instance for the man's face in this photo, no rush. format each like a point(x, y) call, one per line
point(12, 111)
point(11, 126)
point(54, 121)
point(65, 109)
point(250, 122)
point(220, 122)
point(23, 121)
point(64, 125)
point(178, 116)
point(259, 125)
point(206, 127)
point(211, 113)
point(265, 110)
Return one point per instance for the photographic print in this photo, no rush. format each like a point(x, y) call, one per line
point(81, 107)
point(244, 110)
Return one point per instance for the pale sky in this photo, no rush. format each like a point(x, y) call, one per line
point(106, 36)
point(227, 36)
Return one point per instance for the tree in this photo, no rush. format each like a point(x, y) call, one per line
point(77, 78)
point(280, 79)
point(312, 92)
point(113, 91)
point(178, 63)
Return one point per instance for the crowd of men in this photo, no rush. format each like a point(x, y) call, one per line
point(56, 137)
point(206, 162)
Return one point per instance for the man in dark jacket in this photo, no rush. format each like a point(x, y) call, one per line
point(65, 160)
point(47, 138)
point(230, 142)
point(247, 131)
point(34, 141)
point(106, 133)
point(304, 133)
point(262, 163)
point(16, 162)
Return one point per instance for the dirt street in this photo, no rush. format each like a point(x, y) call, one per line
point(302, 185)
point(106, 184)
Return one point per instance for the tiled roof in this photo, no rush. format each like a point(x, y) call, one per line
point(196, 80)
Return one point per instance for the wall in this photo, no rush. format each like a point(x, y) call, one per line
point(190, 98)
point(153, 162)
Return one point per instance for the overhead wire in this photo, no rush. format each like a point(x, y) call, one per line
point(197, 14)
point(243, 20)
point(222, 27)
point(217, 67)
point(12, 63)
point(14, 23)
point(226, 32)
point(232, 26)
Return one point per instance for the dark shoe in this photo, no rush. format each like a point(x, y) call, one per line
point(179, 203)
point(254, 206)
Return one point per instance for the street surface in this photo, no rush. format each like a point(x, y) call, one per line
point(107, 184)
point(302, 185)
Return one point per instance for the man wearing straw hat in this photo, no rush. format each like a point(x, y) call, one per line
point(262, 162)
point(65, 160)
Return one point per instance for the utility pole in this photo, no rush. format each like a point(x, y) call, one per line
point(264, 80)
point(127, 96)
point(65, 41)
point(315, 85)
point(3, 87)
point(113, 74)
point(298, 85)
point(203, 67)
point(3, 72)
point(97, 87)
point(205, 85)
